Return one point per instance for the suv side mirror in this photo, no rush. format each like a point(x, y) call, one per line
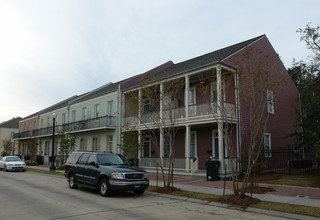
point(92, 163)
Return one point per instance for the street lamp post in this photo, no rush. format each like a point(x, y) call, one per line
point(52, 166)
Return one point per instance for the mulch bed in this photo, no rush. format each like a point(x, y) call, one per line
point(166, 189)
point(233, 200)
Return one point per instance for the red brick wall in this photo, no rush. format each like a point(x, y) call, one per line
point(283, 122)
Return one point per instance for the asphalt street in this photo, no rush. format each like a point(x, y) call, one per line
point(27, 195)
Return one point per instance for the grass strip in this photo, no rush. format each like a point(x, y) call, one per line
point(273, 206)
point(289, 208)
point(44, 171)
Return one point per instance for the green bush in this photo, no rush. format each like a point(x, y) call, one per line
point(31, 163)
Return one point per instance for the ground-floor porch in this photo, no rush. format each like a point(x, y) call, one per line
point(193, 146)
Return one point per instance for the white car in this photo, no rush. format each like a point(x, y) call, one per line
point(12, 163)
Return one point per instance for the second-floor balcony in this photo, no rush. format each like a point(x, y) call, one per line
point(78, 126)
point(206, 111)
point(96, 123)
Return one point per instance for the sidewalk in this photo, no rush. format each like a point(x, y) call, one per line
point(306, 196)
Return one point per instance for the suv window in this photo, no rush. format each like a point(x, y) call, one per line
point(92, 158)
point(73, 158)
point(83, 159)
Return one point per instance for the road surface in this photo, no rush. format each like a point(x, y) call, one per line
point(27, 195)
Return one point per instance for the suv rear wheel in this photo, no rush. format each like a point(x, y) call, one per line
point(72, 182)
point(104, 187)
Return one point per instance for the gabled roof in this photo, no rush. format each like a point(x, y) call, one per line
point(56, 106)
point(103, 90)
point(13, 123)
point(197, 62)
point(208, 58)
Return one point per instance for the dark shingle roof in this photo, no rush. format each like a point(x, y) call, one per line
point(195, 63)
point(13, 123)
point(208, 58)
point(103, 90)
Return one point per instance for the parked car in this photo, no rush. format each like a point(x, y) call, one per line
point(10, 163)
point(107, 172)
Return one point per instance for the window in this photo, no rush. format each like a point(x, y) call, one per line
point(95, 144)
point(73, 116)
point(83, 144)
point(92, 158)
point(23, 149)
point(192, 101)
point(146, 147)
point(21, 127)
point(110, 108)
point(30, 125)
point(270, 104)
point(193, 144)
point(146, 106)
point(35, 125)
point(41, 123)
point(40, 148)
point(84, 113)
point(166, 100)
point(48, 122)
point(83, 159)
point(267, 145)
point(46, 148)
point(25, 127)
point(214, 94)
point(63, 119)
point(109, 143)
point(110, 112)
point(96, 110)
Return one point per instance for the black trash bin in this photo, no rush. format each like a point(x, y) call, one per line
point(39, 159)
point(213, 170)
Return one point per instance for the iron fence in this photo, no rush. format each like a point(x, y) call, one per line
point(290, 160)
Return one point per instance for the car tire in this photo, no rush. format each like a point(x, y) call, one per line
point(24, 170)
point(139, 191)
point(5, 168)
point(104, 187)
point(72, 182)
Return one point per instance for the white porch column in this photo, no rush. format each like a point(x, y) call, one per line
point(161, 143)
point(187, 148)
point(139, 151)
point(161, 101)
point(186, 96)
point(220, 122)
point(139, 107)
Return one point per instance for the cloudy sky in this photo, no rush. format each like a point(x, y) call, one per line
point(52, 50)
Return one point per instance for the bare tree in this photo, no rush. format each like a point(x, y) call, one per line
point(156, 107)
point(258, 92)
point(33, 147)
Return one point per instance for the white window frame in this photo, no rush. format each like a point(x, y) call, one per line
point(270, 102)
point(110, 143)
point(195, 144)
point(84, 113)
point(147, 139)
point(96, 111)
point(147, 105)
point(95, 144)
point(267, 152)
point(192, 108)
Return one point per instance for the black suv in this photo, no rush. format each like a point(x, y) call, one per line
point(106, 171)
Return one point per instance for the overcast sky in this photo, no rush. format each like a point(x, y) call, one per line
point(52, 50)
